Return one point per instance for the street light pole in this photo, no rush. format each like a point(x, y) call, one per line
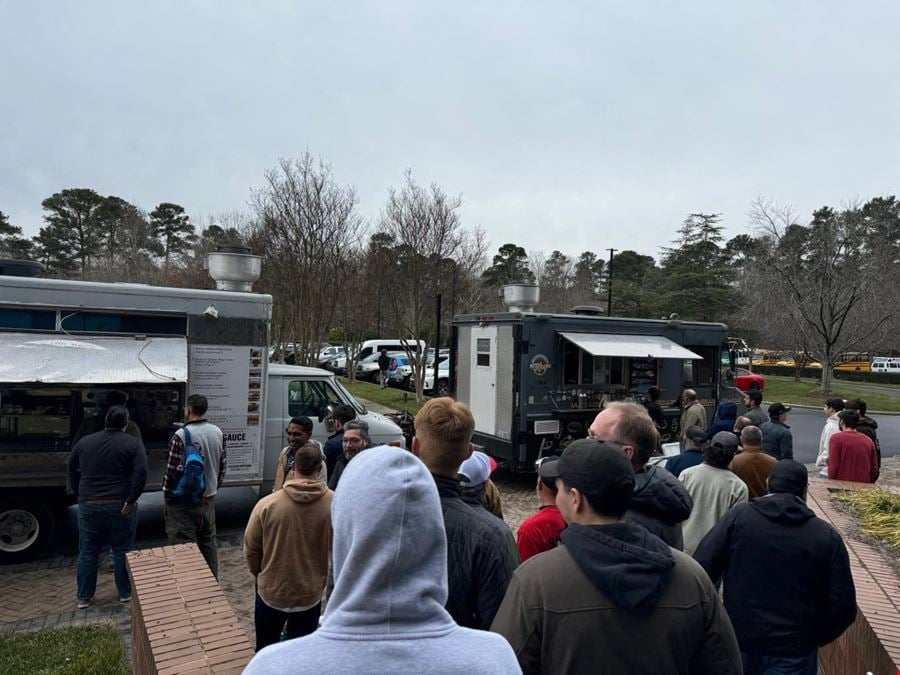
point(609, 277)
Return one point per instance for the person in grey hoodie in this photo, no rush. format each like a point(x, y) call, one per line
point(386, 614)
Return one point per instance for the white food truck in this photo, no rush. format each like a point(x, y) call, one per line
point(65, 345)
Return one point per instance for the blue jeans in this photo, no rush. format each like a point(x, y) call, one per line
point(100, 525)
point(271, 622)
point(760, 664)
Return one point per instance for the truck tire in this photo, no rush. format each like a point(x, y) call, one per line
point(26, 528)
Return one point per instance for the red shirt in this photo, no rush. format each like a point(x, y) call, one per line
point(852, 456)
point(540, 532)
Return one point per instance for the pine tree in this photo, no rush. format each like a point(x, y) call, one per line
point(12, 244)
point(173, 228)
point(73, 229)
point(697, 275)
point(509, 266)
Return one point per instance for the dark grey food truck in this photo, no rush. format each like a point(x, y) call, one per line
point(536, 381)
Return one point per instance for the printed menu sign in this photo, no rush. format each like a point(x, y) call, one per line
point(231, 378)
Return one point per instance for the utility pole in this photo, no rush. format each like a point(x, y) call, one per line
point(437, 341)
point(609, 282)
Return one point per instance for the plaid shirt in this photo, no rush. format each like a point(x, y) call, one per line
point(174, 467)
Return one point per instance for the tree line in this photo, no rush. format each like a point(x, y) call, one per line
point(821, 287)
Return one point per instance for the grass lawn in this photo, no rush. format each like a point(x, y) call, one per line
point(398, 399)
point(786, 390)
point(73, 650)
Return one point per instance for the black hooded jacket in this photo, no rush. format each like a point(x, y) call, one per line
point(660, 503)
point(788, 586)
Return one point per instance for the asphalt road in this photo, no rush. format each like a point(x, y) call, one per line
point(806, 426)
point(233, 505)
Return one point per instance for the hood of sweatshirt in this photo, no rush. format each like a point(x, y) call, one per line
point(625, 562)
point(660, 495)
point(727, 411)
point(390, 551)
point(868, 422)
point(783, 508)
point(304, 490)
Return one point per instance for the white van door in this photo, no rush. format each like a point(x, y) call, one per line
point(483, 391)
point(276, 438)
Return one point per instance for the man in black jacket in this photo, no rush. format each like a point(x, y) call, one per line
point(334, 446)
point(107, 472)
point(660, 502)
point(481, 550)
point(788, 587)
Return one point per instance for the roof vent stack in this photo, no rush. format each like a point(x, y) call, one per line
point(521, 297)
point(234, 268)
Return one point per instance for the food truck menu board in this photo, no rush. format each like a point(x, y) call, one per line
point(231, 378)
point(643, 373)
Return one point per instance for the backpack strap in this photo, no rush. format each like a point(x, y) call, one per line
point(187, 436)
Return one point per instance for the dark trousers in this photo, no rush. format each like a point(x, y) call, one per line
point(195, 523)
point(760, 664)
point(270, 623)
point(100, 525)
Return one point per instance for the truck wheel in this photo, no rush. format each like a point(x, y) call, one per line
point(442, 389)
point(26, 527)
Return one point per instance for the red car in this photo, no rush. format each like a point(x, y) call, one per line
point(745, 380)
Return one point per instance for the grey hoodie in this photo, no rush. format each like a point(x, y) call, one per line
point(386, 614)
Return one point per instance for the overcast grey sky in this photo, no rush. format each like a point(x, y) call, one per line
point(569, 125)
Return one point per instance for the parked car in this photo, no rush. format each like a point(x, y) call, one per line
point(745, 380)
point(400, 371)
point(443, 381)
point(330, 353)
point(368, 369)
point(339, 364)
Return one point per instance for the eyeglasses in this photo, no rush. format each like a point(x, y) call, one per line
point(594, 437)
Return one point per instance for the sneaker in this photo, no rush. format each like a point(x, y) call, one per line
point(125, 598)
point(84, 604)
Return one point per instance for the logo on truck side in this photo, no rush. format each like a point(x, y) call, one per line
point(540, 364)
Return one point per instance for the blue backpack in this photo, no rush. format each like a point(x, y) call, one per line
point(192, 483)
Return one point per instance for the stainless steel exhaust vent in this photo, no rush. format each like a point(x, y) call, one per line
point(234, 268)
point(521, 297)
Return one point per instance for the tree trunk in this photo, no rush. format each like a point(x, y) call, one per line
point(825, 383)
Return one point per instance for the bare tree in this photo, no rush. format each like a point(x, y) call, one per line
point(829, 277)
point(429, 243)
point(307, 223)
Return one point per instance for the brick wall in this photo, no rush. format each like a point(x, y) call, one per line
point(872, 643)
point(181, 622)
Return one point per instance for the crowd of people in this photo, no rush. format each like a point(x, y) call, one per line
point(712, 556)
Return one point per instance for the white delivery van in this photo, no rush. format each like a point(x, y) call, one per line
point(65, 345)
point(369, 347)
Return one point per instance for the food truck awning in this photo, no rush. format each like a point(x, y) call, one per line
point(65, 359)
point(631, 346)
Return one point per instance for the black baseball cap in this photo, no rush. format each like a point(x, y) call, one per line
point(777, 408)
point(696, 434)
point(591, 466)
point(788, 476)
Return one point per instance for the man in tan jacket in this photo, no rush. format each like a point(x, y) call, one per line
point(751, 464)
point(287, 545)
